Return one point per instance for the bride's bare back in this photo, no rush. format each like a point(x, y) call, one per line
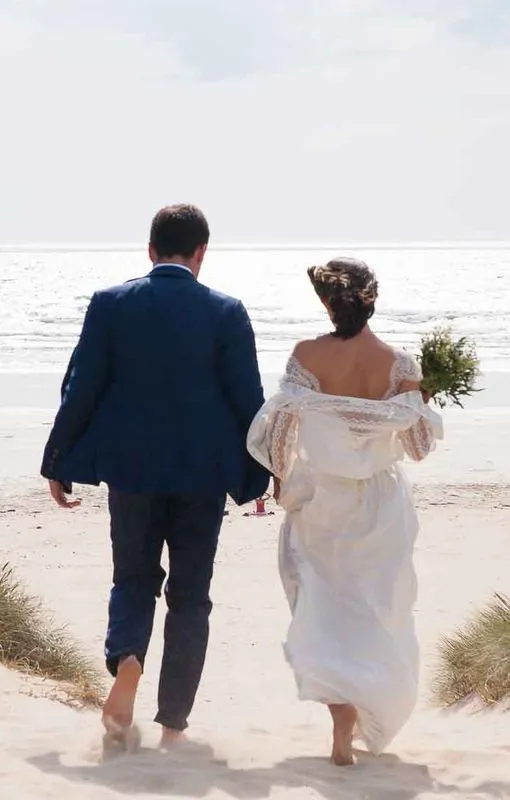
point(352, 362)
point(357, 367)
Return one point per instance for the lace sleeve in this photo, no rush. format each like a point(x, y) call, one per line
point(297, 374)
point(283, 430)
point(410, 370)
point(405, 368)
point(417, 441)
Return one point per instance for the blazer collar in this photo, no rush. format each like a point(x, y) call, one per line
point(170, 271)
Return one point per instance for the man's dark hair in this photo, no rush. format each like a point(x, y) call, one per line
point(178, 230)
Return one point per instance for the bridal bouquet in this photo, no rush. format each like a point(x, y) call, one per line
point(450, 367)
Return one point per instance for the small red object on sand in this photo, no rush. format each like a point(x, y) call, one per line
point(260, 505)
point(260, 508)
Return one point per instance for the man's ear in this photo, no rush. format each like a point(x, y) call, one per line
point(199, 256)
point(152, 254)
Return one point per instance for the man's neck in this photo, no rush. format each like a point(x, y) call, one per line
point(177, 260)
point(176, 264)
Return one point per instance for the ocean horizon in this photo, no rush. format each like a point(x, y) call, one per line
point(129, 247)
point(45, 291)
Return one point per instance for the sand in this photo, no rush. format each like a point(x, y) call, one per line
point(250, 737)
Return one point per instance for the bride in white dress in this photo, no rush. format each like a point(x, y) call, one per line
point(349, 409)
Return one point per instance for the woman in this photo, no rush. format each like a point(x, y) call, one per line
point(349, 408)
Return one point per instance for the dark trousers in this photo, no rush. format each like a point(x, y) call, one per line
point(141, 524)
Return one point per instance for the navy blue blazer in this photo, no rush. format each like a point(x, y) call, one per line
point(160, 393)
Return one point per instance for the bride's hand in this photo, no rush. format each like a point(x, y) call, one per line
point(414, 386)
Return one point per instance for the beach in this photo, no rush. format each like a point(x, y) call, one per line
point(315, 167)
point(249, 736)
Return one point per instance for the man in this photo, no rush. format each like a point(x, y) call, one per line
point(157, 402)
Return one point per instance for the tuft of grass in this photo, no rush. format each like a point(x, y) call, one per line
point(475, 659)
point(450, 367)
point(32, 643)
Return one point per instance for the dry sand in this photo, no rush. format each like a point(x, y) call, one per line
point(250, 738)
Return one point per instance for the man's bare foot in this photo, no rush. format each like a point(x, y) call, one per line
point(122, 740)
point(119, 707)
point(344, 720)
point(170, 737)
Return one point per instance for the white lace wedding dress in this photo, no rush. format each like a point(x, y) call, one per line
point(346, 545)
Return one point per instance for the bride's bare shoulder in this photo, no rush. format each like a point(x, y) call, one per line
point(383, 346)
point(307, 352)
point(300, 365)
point(307, 348)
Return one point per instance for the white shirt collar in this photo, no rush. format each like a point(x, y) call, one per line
point(171, 264)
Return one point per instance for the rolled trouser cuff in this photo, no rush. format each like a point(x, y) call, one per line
point(171, 722)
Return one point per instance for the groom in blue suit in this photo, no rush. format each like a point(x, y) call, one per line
point(157, 402)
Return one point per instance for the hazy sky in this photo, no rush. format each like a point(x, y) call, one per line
point(286, 120)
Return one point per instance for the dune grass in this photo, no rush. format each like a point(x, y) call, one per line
point(475, 659)
point(31, 642)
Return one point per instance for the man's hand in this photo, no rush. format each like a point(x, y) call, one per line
point(276, 489)
point(59, 496)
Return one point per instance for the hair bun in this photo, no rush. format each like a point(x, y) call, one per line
point(331, 275)
point(349, 288)
point(368, 295)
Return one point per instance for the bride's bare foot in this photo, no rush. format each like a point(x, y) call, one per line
point(119, 707)
point(170, 737)
point(344, 720)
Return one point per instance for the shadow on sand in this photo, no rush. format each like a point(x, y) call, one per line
point(193, 770)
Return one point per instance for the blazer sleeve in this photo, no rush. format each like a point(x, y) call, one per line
point(67, 376)
point(242, 385)
point(84, 382)
point(239, 368)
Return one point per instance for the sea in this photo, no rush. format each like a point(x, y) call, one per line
point(44, 292)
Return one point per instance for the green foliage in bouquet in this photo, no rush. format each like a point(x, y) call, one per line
point(450, 367)
point(475, 660)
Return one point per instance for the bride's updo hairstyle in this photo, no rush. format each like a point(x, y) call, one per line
point(349, 290)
